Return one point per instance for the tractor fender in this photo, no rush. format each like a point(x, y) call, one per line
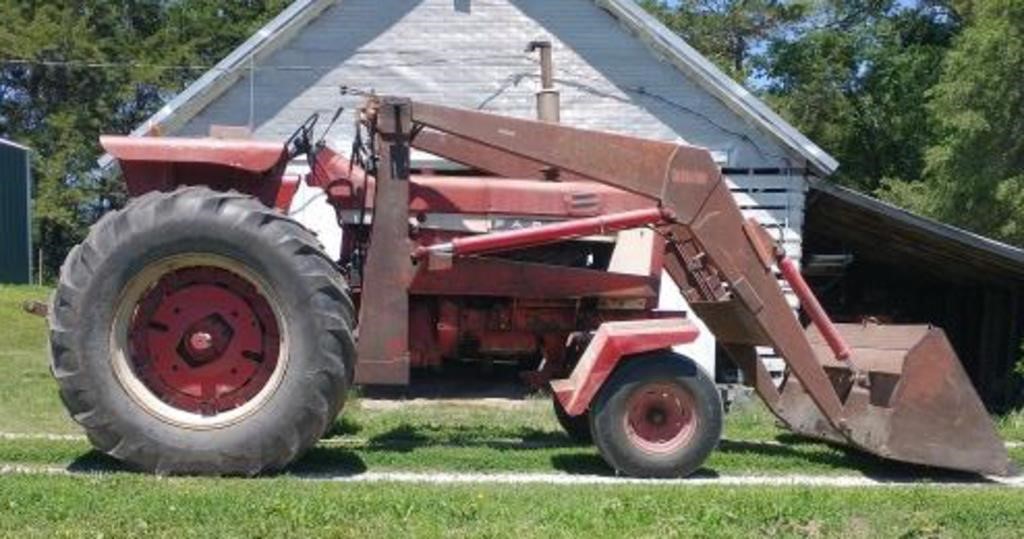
point(612, 342)
point(166, 163)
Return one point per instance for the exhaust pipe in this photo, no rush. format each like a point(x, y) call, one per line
point(548, 102)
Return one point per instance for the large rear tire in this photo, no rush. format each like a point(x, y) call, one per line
point(200, 332)
point(658, 415)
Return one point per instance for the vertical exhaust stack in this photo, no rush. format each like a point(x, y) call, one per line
point(548, 102)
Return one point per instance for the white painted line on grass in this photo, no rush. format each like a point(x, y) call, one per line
point(358, 441)
point(41, 436)
point(846, 481)
point(446, 478)
point(20, 469)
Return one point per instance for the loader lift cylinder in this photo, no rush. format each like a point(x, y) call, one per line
point(813, 307)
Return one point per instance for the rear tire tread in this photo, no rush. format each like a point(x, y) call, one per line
point(329, 305)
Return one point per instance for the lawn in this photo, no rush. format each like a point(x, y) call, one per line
point(128, 505)
point(457, 438)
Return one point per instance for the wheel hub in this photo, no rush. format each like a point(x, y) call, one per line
point(204, 340)
point(660, 417)
point(200, 342)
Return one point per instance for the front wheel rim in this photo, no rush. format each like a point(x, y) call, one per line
point(197, 342)
point(660, 417)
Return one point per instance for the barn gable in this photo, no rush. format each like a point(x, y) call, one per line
point(619, 70)
point(474, 57)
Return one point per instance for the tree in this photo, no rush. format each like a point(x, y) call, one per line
point(727, 31)
point(974, 169)
point(856, 83)
point(71, 70)
point(851, 74)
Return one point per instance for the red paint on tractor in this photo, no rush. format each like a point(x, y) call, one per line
point(204, 340)
point(539, 235)
point(661, 417)
point(613, 342)
point(474, 194)
point(247, 155)
point(813, 308)
point(166, 163)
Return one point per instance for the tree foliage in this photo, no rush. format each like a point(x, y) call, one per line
point(921, 102)
point(728, 31)
point(856, 83)
point(974, 167)
point(71, 70)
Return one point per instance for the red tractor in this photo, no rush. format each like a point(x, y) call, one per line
point(202, 330)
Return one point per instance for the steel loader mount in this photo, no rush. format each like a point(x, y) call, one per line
point(202, 330)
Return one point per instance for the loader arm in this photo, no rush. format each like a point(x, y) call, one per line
point(713, 255)
point(911, 400)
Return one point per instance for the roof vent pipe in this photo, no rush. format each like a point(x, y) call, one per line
point(548, 106)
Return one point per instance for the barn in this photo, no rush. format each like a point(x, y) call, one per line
point(15, 214)
point(616, 67)
point(868, 259)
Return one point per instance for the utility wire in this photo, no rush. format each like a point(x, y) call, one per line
point(507, 83)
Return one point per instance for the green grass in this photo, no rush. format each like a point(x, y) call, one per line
point(1011, 426)
point(28, 394)
point(124, 505)
point(457, 438)
point(525, 438)
point(453, 438)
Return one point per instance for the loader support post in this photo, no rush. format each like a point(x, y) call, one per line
point(383, 344)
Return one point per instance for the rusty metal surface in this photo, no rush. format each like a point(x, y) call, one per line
point(507, 240)
point(636, 165)
point(920, 409)
point(684, 180)
point(612, 342)
point(383, 345)
point(937, 417)
point(917, 404)
point(488, 158)
point(507, 278)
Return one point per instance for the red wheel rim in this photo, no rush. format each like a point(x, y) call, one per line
point(660, 417)
point(204, 340)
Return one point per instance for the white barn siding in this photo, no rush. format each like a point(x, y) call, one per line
point(432, 50)
point(470, 53)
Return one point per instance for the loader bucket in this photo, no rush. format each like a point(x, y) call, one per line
point(906, 397)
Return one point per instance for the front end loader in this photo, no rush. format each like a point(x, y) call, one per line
point(202, 330)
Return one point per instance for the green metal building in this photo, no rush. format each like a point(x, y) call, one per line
point(15, 214)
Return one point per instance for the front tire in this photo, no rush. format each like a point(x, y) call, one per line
point(658, 415)
point(577, 428)
point(200, 332)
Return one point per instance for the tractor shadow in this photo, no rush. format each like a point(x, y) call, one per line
point(338, 462)
point(523, 448)
point(793, 452)
point(789, 455)
point(96, 462)
point(476, 448)
point(786, 455)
